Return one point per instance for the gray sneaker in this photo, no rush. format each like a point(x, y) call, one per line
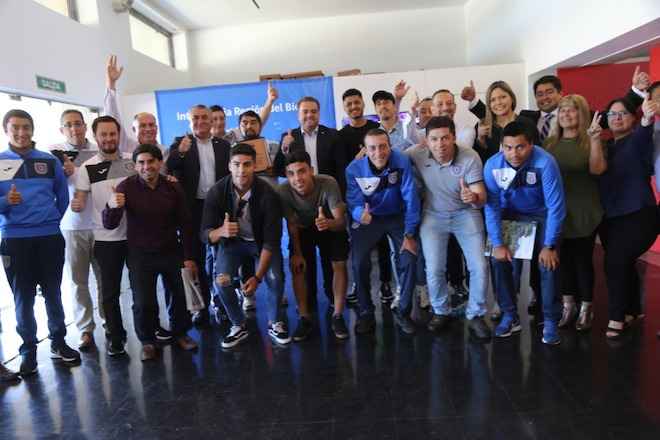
point(478, 328)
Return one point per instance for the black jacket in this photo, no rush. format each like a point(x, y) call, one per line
point(265, 212)
point(186, 167)
point(330, 154)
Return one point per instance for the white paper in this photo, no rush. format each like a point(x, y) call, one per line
point(194, 299)
point(518, 237)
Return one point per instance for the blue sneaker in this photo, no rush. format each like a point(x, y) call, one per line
point(509, 325)
point(550, 333)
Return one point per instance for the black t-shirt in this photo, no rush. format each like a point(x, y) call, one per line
point(353, 138)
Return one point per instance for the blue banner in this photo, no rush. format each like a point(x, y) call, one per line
point(173, 105)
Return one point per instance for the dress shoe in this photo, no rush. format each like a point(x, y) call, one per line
point(149, 352)
point(86, 341)
point(186, 343)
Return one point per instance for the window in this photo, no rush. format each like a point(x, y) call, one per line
point(150, 39)
point(65, 7)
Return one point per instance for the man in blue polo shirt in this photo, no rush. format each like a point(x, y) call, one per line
point(383, 201)
point(33, 198)
point(524, 183)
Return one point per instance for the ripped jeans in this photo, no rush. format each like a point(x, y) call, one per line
point(230, 256)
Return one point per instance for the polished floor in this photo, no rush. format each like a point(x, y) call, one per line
point(386, 386)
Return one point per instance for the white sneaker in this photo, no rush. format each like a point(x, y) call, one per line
point(237, 334)
point(423, 295)
point(249, 303)
point(279, 332)
point(397, 297)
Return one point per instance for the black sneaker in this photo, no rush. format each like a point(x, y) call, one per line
point(365, 324)
point(386, 295)
point(64, 352)
point(303, 330)
point(28, 363)
point(116, 348)
point(163, 335)
point(279, 333)
point(352, 298)
point(404, 322)
point(479, 328)
point(237, 334)
point(438, 322)
point(339, 327)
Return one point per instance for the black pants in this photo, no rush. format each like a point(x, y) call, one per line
point(625, 239)
point(143, 271)
point(111, 256)
point(199, 249)
point(577, 268)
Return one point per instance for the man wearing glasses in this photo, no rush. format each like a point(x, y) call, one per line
point(77, 227)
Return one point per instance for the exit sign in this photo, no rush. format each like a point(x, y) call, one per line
point(51, 84)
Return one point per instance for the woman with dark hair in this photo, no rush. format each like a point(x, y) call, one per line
point(580, 158)
point(631, 225)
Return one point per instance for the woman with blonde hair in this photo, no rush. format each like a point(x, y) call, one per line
point(580, 158)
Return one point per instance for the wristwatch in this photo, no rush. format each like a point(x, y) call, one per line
point(551, 247)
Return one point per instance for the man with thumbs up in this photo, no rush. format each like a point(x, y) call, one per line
point(383, 202)
point(453, 191)
point(33, 199)
point(315, 214)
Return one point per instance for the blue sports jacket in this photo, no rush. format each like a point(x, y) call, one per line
point(391, 192)
point(40, 179)
point(535, 189)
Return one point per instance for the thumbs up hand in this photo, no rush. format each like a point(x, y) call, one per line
point(640, 80)
point(184, 145)
point(467, 196)
point(322, 223)
point(13, 196)
point(117, 200)
point(366, 217)
point(469, 92)
point(287, 140)
point(272, 93)
point(228, 229)
point(77, 203)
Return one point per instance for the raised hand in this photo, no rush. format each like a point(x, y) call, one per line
point(415, 105)
point(366, 217)
point(467, 196)
point(287, 140)
point(13, 196)
point(117, 200)
point(113, 73)
point(272, 93)
point(228, 229)
point(641, 80)
point(322, 223)
point(594, 131)
point(184, 145)
point(469, 92)
point(650, 108)
point(400, 90)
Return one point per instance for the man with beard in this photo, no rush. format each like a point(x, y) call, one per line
point(156, 213)
point(33, 199)
point(98, 178)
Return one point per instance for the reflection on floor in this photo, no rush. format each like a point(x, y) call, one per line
point(387, 386)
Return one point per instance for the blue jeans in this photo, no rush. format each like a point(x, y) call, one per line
point(468, 228)
point(543, 280)
point(30, 261)
point(230, 256)
point(363, 239)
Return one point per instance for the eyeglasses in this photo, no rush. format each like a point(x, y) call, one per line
point(616, 115)
point(73, 125)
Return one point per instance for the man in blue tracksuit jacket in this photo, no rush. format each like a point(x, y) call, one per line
point(524, 183)
point(33, 198)
point(383, 201)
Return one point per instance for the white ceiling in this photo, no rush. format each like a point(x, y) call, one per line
point(200, 14)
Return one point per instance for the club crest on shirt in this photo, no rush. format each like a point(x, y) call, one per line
point(456, 170)
point(368, 185)
point(393, 177)
point(129, 166)
point(531, 178)
point(41, 168)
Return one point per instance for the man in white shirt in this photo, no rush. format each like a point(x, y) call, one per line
point(77, 227)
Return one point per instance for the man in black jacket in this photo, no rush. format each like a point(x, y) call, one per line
point(243, 219)
point(198, 161)
point(328, 156)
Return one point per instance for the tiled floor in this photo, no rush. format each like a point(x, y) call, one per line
point(386, 386)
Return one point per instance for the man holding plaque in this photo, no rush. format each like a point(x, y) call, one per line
point(78, 228)
point(524, 184)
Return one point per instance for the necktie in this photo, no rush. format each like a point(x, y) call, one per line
point(546, 126)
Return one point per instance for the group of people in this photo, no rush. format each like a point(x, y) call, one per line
point(422, 194)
